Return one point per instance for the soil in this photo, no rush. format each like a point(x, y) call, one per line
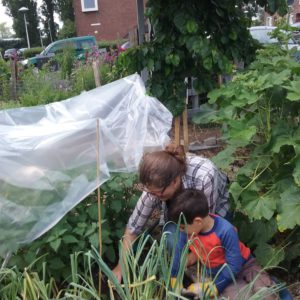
point(198, 135)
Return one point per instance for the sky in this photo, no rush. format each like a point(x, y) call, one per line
point(8, 20)
point(4, 17)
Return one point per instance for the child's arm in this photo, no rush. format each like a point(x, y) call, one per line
point(191, 259)
point(233, 259)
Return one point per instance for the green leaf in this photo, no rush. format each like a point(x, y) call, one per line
point(157, 90)
point(289, 208)
point(256, 232)
point(180, 20)
point(233, 35)
point(81, 225)
point(207, 114)
point(94, 239)
point(69, 239)
point(110, 253)
point(207, 63)
point(258, 207)
point(263, 231)
point(78, 231)
point(55, 244)
point(116, 205)
point(268, 255)
point(93, 227)
point(235, 190)
point(240, 135)
point(214, 95)
point(92, 211)
point(150, 64)
point(56, 263)
point(293, 251)
point(296, 172)
point(191, 26)
point(282, 140)
point(294, 91)
point(224, 158)
point(219, 12)
point(255, 165)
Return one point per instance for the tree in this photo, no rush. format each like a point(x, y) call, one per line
point(65, 10)
point(68, 30)
point(193, 38)
point(47, 9)
point(13, 7)
point(5, 31)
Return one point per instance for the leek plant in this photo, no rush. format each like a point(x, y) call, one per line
point(146, 275)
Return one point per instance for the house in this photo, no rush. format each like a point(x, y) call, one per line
point(294, 14)
point(105, 19)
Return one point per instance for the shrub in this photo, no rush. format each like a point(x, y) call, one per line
point(260, 112)
point(112, 44)
point(68, 30)
point(32, 52)
point(78, 230)
point(42, 87)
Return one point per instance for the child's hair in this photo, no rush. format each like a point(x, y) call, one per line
point(191, 203)
point(159, 168)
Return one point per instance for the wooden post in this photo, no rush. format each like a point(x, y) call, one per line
point(140, 20)
point(177, 130)
point(185, 129)
point(220, 80)
point(13, 67)
point(99, 200)
point(96, 72)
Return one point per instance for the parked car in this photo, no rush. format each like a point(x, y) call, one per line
point(296, 36)
point(125, 46)
point(262, 34)
point(11, 53)
point(82, 46)
point(296, 25)
point(21, 52)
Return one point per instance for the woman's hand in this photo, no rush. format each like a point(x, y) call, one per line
point(118, 272)
point(128, 239)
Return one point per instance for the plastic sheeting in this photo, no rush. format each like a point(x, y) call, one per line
point(48, 154)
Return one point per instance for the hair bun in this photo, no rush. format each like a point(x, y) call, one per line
point(176, 150)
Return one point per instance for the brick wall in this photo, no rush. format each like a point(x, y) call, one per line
point(296, 11)
point(116, 18)
point(294, 15)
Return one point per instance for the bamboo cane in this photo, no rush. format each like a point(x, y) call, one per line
point(99, 201)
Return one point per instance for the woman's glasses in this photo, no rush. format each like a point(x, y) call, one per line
point(143, 188)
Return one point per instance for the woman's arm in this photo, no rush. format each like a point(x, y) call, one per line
point(135, 226)
point(127, 242)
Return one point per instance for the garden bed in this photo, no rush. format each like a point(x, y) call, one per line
point(199, 134)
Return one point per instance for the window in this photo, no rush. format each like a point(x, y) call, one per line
point(89, 5)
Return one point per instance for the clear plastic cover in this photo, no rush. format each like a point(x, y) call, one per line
point(49, 154)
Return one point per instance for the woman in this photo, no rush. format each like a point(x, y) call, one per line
point(163, 174)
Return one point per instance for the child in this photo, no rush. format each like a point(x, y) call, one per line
point(215, 243)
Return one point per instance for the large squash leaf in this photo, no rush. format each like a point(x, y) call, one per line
point(268, 255)
point(289, 208)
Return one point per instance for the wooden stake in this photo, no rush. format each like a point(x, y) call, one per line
point(13, 67)
point(177, 131)
point(95, 65)
point(99, 202)
point(185, 129)
point(220, 80)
